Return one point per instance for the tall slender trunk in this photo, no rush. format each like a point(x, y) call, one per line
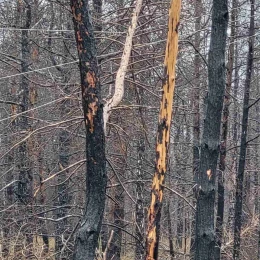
point(96, 179)
point(139, 207)
point(257, 192)
point(243, 145)
point(196, 107)
point(196, 90)
point(235, 129)
point(63, 198)
point(25, 175)
point(205, 240)
point(257, 163)
point(224, 134)
point(62, 182)
point(141, 147)
point(163, 133)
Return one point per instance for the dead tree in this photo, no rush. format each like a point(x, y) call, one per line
point(96, 179)
point(243, 145)
point(163, 133)
point(205, 239)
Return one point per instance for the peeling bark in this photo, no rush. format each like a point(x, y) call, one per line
point(163, 133)
point(120, 76)
point(96, 179)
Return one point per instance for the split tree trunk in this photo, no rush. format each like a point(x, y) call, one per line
point(163, 133)
point(243, 145)
point(96, 179)
point(205, 240)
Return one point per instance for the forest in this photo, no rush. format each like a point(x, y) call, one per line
point(129, 130)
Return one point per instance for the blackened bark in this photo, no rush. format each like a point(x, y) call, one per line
point(224, 134)
point(24, 191)
point(205, 239)
point(97, 15)
point(196, 91)
point(196, 108)
point(243, 145)
point(163, 134)
point(96, 179)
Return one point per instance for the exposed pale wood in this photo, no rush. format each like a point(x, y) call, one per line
point(163, 133)
point(120, 76)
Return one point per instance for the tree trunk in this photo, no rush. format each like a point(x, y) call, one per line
point(25, 175)
point(224, 134)
point(139, 207)
point(96, 179)
point(196, 91)
point(196, 107)
point(243, 145)
point(163, 133)
point(205, 240)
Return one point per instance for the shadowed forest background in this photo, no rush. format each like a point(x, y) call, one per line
point(43, 133)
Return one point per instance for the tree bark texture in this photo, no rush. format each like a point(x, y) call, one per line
point(163, 133)
point(243, 145)
point(96, 179)
point(196, 90)
point(205, 240)
point(224, 135)
point(24, 191)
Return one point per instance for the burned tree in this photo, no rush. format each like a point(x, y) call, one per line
point(205, 239)
point(87, 236)
point(163, 133)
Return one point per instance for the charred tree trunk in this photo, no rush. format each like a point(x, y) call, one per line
point(243, 145)
point(96, 179)
point(196, 107)
point(196, 91)
point(224, 135)
point(24, 191)
point(205, 240)
point(25, 175)
point(163, 133)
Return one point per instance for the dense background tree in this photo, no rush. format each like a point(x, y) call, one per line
point(54, 137)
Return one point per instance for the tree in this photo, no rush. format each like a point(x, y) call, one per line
point(224, 134)
point(205, 240)
point(87, 236)
point(163, 133)
point(243, 145)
